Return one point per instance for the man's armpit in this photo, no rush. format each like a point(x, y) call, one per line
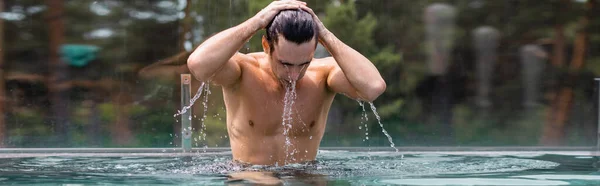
point(338, 83)
point(231, 72)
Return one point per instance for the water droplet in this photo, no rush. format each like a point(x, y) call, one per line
point(310, 137)
point(359, 128)
point(380, 124)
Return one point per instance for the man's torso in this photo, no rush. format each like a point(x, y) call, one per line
point(255, 108)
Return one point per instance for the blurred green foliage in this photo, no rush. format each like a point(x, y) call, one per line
point(135, 34)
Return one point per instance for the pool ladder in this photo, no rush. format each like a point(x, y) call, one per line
point(186, 121)
point(597, 106)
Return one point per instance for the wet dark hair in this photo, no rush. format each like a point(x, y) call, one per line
point(296, 25)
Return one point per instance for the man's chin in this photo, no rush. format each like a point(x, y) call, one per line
point(291, 80)
point(287, 82)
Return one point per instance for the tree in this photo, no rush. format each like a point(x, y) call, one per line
point(2, 83)
point(57, 74)
point(554, 130)
point(342, 19)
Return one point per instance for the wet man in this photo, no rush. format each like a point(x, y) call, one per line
point(254, 84)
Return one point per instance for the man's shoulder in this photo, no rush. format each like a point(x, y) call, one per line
point(326, 64)
point(257, 55)
point(253, 59)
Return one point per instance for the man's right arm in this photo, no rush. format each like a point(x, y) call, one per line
point(217, 59)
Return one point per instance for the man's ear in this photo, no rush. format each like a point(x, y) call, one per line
point(265, 45)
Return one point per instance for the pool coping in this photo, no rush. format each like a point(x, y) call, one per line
point(352, 149)
point(226, 151)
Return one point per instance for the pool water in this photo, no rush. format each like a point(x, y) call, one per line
point(332, 168)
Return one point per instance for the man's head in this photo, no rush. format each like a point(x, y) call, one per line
point(290, 41)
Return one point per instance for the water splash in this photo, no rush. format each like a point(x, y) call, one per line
point(363, 120)
point(203, 90)
point(288, 101)
point(192, 101)
point(382, 129)
point(206, 92)
point(205, 105)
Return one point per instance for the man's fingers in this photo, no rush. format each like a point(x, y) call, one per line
point(309, 10)
point(296, 1)
point(290, 4)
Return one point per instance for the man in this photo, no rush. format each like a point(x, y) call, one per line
point(254, 85)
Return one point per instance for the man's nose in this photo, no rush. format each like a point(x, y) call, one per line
point(294, 72)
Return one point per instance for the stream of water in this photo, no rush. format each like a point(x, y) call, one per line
point(287, 117)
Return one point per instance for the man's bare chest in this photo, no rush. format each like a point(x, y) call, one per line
point(262, 107)
point(270, 111)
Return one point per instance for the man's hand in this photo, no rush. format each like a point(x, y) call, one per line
point(322, 30)
point(264, 17)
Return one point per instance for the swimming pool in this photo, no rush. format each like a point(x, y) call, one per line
point(335, 166)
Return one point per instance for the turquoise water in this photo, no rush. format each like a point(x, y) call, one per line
point(332, 168)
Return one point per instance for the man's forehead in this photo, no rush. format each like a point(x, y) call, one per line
point(294, 57)
point(294, 53)
point(282, 40)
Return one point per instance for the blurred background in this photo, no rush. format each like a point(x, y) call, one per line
point(105, 73)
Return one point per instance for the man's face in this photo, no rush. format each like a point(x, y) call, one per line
point(289, 60)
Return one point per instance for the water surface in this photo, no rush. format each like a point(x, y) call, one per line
point(332, 168)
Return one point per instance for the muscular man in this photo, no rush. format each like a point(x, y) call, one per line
point(254, 84)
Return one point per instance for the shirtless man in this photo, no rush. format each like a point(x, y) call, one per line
point(254, 84)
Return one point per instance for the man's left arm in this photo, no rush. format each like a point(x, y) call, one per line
point(352, 73)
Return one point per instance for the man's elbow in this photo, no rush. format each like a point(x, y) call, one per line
point(375, 90)
point(194, 70)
